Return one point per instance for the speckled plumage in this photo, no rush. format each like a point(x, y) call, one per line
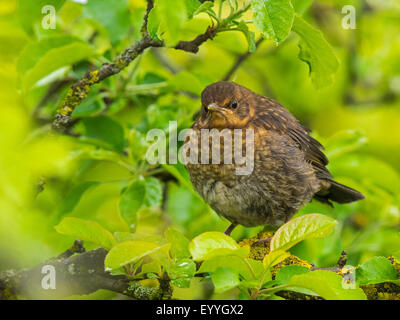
point(289, 166)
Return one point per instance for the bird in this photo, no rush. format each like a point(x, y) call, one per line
point(289, 166)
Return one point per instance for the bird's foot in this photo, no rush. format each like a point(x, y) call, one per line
point(230, 229)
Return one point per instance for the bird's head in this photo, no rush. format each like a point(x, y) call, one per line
point(225, 105)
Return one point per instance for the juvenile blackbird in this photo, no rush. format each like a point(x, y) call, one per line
point(289, 166)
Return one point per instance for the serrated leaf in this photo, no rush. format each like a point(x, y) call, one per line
point(87, 231)
point(179, 244)
point(131, 201)
point(225, 279)
point(326, 284)
point(309, 226)
point(316, 52)
point(74, 196)
point(129, 252)
point(376, 270)
point(209, 244)
point(273, 18)
point(274, 257)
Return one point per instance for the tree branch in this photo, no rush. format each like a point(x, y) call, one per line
point(80, 90)
point(258, 250)
point(79, 272)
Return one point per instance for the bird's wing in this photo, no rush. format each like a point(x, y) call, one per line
point(275, 117)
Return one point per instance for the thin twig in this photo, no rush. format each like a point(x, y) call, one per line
point(239, 61)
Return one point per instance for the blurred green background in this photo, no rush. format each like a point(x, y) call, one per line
point(44, 175)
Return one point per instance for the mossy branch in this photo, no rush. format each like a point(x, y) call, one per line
point(385, 290)
point(80, 90)
point(79, 272)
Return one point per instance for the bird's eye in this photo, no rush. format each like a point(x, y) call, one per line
point(234, 104)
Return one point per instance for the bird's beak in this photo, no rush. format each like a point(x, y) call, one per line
point(214, 107)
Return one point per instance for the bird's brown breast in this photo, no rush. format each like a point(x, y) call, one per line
point(278, 185)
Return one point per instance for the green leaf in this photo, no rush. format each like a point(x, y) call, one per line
point(74, 196)
point(209, 244)
point(286, 273)
point(151, 267)
point(86, 230)
point(274, 257)
point(39, 59)
point(186, 81)
point(235, 262)
point(376, 270)
point(181, 272)
point(225, 279)
point(344, 141)
point(168, 20)
point(249, 36)
point(316, 52)
point(129, 236)
point(273, 18)
point(30, 12)
point(154, 192)
point(129, 252)
point(181, 176)
point(191, 7)
point(153, 24)
point(309, 226)
point(115, 18)
point(138, 145)
point(105, 131)
point(131, 201)
point(301, 6)
point(91, 106)
point(179, 244)
point(204, 7)
point(326, 284)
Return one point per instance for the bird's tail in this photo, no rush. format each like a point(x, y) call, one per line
point(339, 193)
